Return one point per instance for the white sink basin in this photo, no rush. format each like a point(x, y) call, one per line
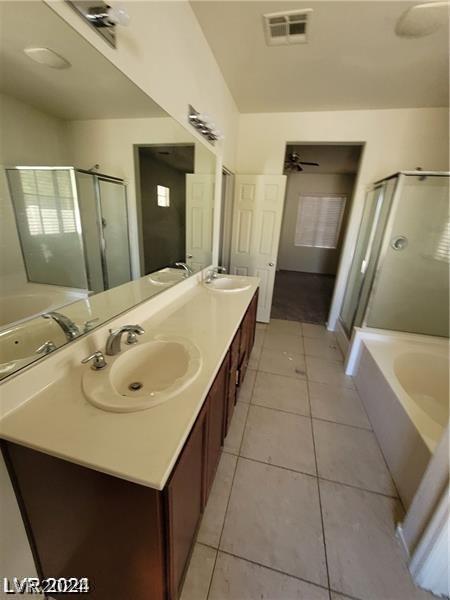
point(143, 376)
point(224, 283)
point(166, 276)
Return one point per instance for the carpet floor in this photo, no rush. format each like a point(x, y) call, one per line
point(302, 296)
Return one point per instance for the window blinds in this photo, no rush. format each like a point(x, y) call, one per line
point(319, 219)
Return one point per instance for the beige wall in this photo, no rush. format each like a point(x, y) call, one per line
point(302, 258)
point(163, 51)
point(28, 137)
point(395, 139)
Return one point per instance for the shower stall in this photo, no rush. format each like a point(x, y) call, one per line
point(399, 278)
point(72, 226)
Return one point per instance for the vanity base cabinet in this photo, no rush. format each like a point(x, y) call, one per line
point(184, 499)
point(132, 542)
point(247, 337)
point(216, 419)
point(82, 523)
point(232, 380)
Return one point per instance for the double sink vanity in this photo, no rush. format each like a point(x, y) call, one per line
point(112, 462)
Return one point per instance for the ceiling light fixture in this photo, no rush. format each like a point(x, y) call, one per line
point(47, 57)
point(423, 19)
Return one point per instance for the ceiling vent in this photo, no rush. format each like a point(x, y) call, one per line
point(287, 27)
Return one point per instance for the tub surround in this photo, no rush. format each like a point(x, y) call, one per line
point(141, 447)
point(408, 434)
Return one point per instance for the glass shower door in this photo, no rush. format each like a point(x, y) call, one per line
point(411, 289)
point(114, 222)
point(370, 236)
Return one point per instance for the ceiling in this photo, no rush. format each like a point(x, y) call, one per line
point(81, 92)
point(353, 59)
point(331, 158)
point(177, 156)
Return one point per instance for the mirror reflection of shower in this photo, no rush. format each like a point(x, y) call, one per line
point(73, 231)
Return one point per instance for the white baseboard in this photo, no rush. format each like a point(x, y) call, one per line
point(399, 535)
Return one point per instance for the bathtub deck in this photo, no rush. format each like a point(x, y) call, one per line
point(303, 506)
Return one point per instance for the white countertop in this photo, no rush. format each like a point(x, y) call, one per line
point(140, 446)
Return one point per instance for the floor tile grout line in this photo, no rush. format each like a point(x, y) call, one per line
point(262, 462)
point(369, 429)
point(269, 568)
point(230, 492)
point(258, 564)
point(287, 412)
point(319, 477)
point(397, 497)
point(291, 412)
point(306, 377)
point(318, 484)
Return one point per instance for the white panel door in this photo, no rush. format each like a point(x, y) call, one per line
point(199, 220)
point(257, 214)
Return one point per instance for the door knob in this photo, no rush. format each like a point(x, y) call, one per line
point(271, 264)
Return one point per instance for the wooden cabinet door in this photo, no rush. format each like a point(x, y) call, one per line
point(252, 322)
point(248, 328)
point(184, 502)
point(216, 404)
point(232, 379)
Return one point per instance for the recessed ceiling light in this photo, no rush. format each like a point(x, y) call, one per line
point(47, 57)
point(423, 19)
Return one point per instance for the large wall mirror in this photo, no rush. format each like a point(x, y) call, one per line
point(105, 199)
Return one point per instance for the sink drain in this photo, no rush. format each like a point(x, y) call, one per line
point(135, 386)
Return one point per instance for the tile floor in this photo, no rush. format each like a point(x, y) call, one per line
point(303, 506)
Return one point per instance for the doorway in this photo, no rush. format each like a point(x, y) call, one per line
point(319, 194)
point(162, 173)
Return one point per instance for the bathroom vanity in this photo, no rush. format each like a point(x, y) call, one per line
point(131, 535)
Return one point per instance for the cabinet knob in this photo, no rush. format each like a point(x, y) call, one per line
point(271, 264)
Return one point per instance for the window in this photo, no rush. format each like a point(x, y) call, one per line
point(319, 220)
point(163, 194)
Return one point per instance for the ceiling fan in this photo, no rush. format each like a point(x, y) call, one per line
point(293, 163)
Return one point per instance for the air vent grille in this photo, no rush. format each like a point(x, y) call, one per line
point(287, 28)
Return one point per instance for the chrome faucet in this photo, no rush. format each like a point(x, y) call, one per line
point(115, 337)
point(187, 269)
point(46, 348)
point(213, 273)
point(71, 331)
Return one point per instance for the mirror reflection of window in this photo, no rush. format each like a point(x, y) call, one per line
point(163, 195)
point(442, 248)
point(48, 202)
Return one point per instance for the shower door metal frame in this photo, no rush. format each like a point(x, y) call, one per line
point(96, 178)
point(402, 177)
point(369, 248)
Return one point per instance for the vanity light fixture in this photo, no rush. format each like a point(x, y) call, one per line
point(102, 17)
point(204, 125)
point(47, 57)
